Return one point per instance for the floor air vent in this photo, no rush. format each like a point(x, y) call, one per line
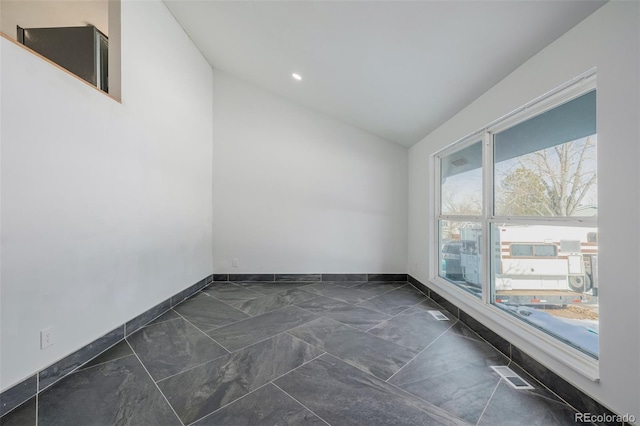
point(511, 377)
point(439, 315)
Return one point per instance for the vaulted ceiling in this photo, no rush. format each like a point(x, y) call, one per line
point(397, 69)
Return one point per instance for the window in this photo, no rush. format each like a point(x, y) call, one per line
point(517, 216)
point(82, 37)
point(461, 209)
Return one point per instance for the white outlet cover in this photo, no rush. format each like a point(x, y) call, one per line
point(46, 338)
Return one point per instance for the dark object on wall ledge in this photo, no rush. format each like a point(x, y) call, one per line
point(84, 51)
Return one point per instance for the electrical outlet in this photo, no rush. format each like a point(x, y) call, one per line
point(46, 338)
point(234, 262)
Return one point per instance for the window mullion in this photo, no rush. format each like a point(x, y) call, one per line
point(487, 212)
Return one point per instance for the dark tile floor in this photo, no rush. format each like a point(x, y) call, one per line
point(337, 353)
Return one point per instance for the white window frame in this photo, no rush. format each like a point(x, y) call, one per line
point(482, 308)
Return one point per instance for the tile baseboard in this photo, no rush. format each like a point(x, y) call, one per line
point(298, 277)
point(386, 277)
point(24, 391)
point(18, 394)
point(286, 277)
point(572, 395)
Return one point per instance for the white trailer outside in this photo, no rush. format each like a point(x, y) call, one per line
point(534, 258)
point(543, 257)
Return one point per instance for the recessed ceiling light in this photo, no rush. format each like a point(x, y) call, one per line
point(296, 76)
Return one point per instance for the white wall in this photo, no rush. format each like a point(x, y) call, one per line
point(608, 40)
point(297, 191)
point(106, 207)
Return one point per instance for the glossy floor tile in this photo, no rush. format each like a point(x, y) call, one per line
point(23, 415)
point(512, 407)
point(167, 316)
point(343, 395)
point(346, 313)
point(414, 328)
point(173, 346)
point(203, 389)
point(454, 362)
point(119, 392)
point(273, 301)
point(119, 350)
point(267, 406)
point(207, 313)
point(255, 329)
point(395, 301)
point(295, 353)
point(362, 350)
point(229, 292)
point(379, 288)
point(337, 291)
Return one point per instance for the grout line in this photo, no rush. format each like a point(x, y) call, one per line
point(393, 316)
point(306, 343)
point(256, 389)
point(542, 386)
point(396, 343)
point(163, 312)
point(418, 354)
point(328, 318)
point(325, 317)
point(489, 401)
point(191, 368)
point(304, 406)
point(353, 327)
point(102, 363)
point(438, 411)
point(231, 306)
point(241, 286)
point(22, 402)
point(209, 337)
point(161, 322)
point(381, 294)
point(155, 384)
point(75, 369)
point(247, 319)
point(304, 363)
point(37, 399)
point(232, 352)
point(340, 357)
point(228, 304)
point(276, 378)
point(227, 405)
point(457, 368)
point(221, 301)
point(267, 338)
